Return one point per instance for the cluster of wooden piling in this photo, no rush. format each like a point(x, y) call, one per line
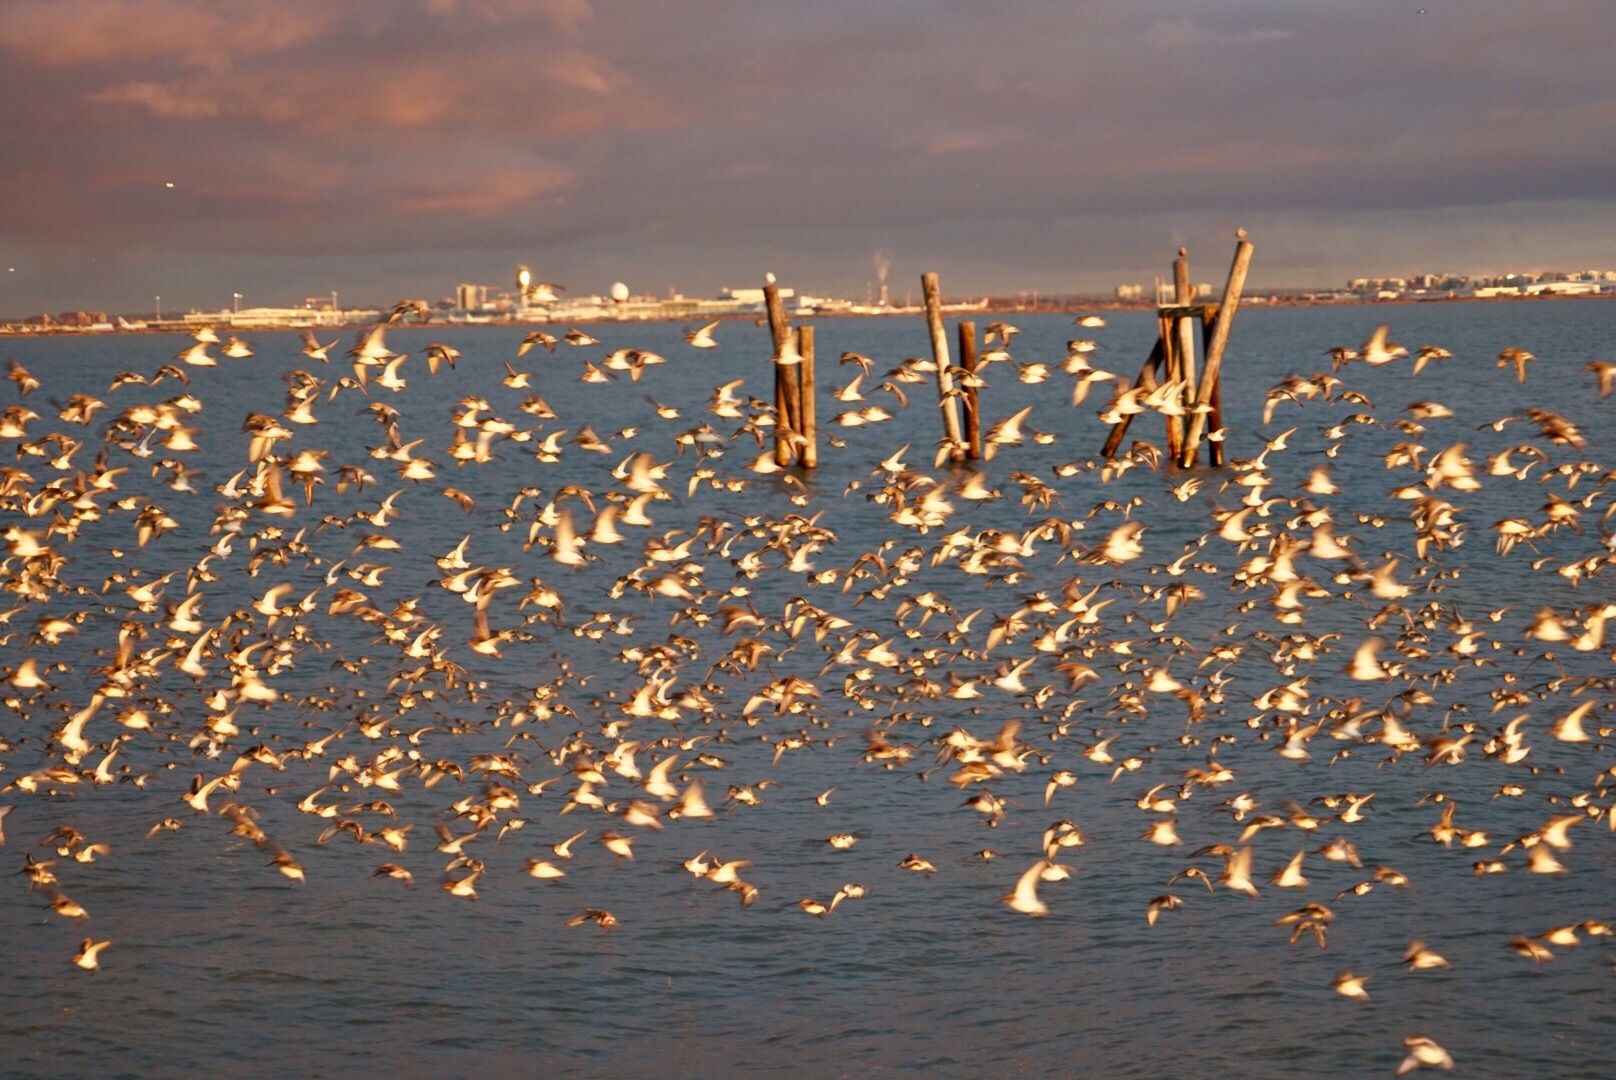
point(796, 436)
point(1193, 407)
point(1190, 401)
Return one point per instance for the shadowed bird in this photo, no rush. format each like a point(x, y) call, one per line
point(26, 383)
point(1535, 951)
point(1604, 371)
point(600, 917)
point(395, 871)
point(1516, 358)
point(1427, 353)
point(438, 355)
point(536, 337)
point(1164, 902)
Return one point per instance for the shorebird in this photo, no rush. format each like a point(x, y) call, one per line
point(1024, 898)
point(313, 349)
point(395, 871)
point(536, 337)
point(89, 954)
point(1349, 985)
point(1603, 370)
point(917, 864)
point(1377, 350)
point(1159, 904)
point(702, 338)
point(601, 918)
point(1423, 1052)
point(1517, 359)
point(1419, 957)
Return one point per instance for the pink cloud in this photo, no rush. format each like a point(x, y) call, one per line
point(183, 99)
point(191, 33)
point(483, 194)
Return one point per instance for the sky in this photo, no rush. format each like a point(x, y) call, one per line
point(193, 149)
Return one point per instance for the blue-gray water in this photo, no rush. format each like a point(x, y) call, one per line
point(218, 962)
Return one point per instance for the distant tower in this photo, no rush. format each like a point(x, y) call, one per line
point(466, 297)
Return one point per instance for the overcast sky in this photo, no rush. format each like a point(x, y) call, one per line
point(196, 148)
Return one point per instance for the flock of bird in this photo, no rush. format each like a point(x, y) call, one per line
point(170, 631)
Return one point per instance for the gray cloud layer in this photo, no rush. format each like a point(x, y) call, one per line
point(392, 149)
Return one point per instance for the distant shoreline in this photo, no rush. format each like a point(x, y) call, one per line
point(993, 307)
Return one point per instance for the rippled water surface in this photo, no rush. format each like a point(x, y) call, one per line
point(219, 962)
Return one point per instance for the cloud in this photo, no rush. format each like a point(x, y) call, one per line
point(188, 32)
point(566, 16)
point(687, 135)
point(1186, 32)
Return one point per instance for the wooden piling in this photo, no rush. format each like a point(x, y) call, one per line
point(1214, 418)
point(973, 414)
point(1147, 377)
point(1183, 296)
point(787, 391)
point(945, 379)
point(1215, 346)
point(809, 447)
point(1173, 369)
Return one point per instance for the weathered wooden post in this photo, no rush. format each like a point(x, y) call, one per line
point(945, 379)
point(809, 452)
point(1173, 367)
point(1214, 416)
point(787, 392)
point(1215, 346)
point(1145, 381)
point(973, 414)
point(1184, 296)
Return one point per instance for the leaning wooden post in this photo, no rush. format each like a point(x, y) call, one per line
point(809, 454)
point(787, 394)
point(973, 414)
point(1215, 347)
point(945, 379)
point(1184, 295)
point(1146, 378)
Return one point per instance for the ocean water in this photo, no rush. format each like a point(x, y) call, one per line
point(219, 962)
